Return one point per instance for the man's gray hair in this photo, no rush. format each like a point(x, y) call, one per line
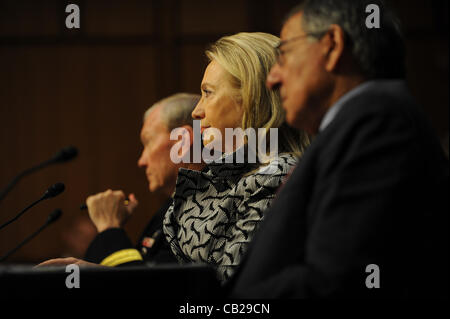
point(176, 110)
point(380, 53)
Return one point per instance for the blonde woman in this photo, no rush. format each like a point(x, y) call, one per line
point(216, 211)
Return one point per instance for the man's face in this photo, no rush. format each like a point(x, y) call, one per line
point(161, 172)
point(300, 75)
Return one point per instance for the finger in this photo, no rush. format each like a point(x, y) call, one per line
point(93, 198)
point(45, 263)
point(131, 207)
point(119, 194)
point(88, 200)
point(132, 203)
point(82, 262)
point(119, 198)
point(57, 262)
point(132, 198)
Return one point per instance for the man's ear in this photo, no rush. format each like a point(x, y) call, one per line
point(187, 143)
point(334, 41)
point(181, 149)
point(188, 135)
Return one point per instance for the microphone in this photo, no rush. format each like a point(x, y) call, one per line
point(52, 217)
point(52, 191)
point(63, 155)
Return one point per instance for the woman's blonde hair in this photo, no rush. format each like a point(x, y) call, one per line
point(248, 58)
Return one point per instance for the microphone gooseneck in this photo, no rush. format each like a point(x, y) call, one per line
point(52, 191)
point(52, 217)
point(64, 155)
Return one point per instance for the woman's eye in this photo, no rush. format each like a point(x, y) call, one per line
point(206, 92)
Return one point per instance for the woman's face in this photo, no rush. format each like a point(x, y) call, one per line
point(220, 105)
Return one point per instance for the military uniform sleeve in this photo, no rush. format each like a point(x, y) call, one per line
point(113, 248)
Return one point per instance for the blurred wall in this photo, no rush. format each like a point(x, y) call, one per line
point(90, 87)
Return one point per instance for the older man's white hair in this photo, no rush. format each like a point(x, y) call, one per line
point(176, 110)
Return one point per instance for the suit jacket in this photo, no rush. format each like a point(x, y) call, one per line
point(370, 190)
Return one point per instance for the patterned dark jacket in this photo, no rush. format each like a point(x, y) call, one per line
point(216, 211)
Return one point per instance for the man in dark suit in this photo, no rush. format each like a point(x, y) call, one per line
point(364, 214)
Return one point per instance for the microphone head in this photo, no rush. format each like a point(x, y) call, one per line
point(54, 216)
point(65, 154)
point(54, 190)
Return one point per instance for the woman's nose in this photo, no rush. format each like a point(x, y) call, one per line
point(273, 78)
point(198, 113)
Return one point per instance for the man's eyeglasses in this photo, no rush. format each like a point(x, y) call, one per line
point(280, 52)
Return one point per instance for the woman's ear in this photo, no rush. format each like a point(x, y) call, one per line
point(237, 98)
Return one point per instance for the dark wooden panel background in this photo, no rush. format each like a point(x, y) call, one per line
point(90, 87)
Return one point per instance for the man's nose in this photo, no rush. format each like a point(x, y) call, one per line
point(273, 78)
point(141, 161)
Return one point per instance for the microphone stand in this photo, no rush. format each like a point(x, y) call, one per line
point(64, 155)
point(52, 191)
point(21, 213)
point(51, 218)
point(26, 172)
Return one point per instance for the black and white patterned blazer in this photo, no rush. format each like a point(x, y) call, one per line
point(216, 211)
